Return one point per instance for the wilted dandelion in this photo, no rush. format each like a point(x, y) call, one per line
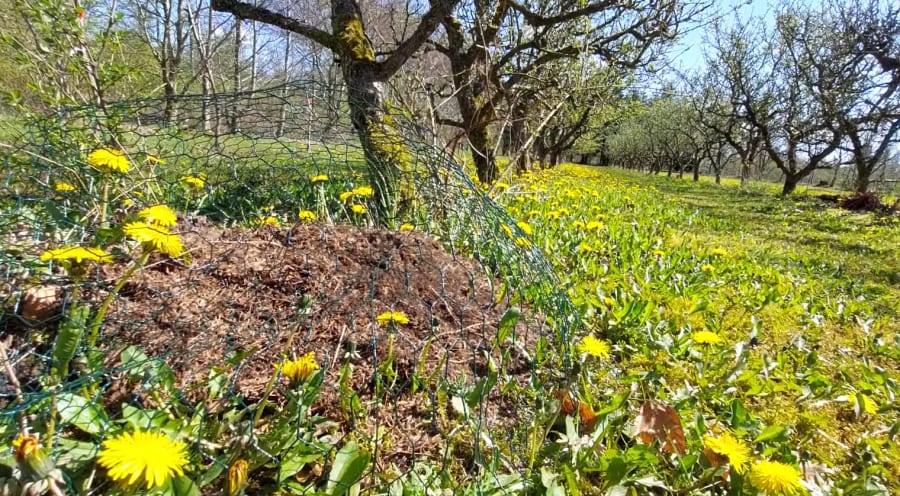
point(593, 347)
point(737, 453)
point(307, 216)
point(108, 160)
point(148, 458)
point(393, 317)
point(64, 187)
point(25, 447)
point(237, 477)
point(158, 215)
point(775, 478)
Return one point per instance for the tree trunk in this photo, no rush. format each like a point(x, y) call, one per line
point(718, 177)
point(233, 123)
point(790, 183)
point(863, 174)
point(696, 172)
point(483, 155)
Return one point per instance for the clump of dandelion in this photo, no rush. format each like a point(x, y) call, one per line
point(109, 160)
point(64, 187)
point(299, 370)
point(158, 215)
point(775, 478)
point(728, 446)
point(307, 216)
point(594, 347)
point(145, 458)
point(706, 337)
point(155, 237)
point(392, 317)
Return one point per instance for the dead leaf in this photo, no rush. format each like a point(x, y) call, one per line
point(40, 303)
point(660, 422)
point(588, 417)
point(568, 403)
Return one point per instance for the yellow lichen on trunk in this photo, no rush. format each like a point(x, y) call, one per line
point(387, 147)
point(354, 37)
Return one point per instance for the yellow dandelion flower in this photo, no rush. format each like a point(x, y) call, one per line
point(578, 225)
point(500, 186)
point(158, 215)
point(299, 370)
point(76, 253)
point(525, 227)
point(363, 191)
point(727, 445)
point(407, 227)
point(108, 160)
point(346, 195)
point(719, 252)
point(585, 248)
point(523, 242)
point(774, 478)
point(307, 216)
point(609, 301)
point(359, 209)
point(268, 220)
point(533, 213)
point(553, 214)
point(508, 230)
point(127, 202)
point(594, 225)
point(394, 317)
point(659, 253)
point(153, 159)
point(193, 182)
point(318, 178)
point(593, 347)
point(149, 458)
point(706, 337)
point(237, 477)
point(64, 187)
point(155, 237)
point(707, 268)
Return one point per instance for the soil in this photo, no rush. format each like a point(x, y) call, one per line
point(270, 292)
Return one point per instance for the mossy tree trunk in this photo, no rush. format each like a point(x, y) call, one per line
point(365, 78)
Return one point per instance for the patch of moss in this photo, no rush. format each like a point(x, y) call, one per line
point(354, 37)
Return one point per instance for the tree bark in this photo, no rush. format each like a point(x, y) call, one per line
point(790, 183)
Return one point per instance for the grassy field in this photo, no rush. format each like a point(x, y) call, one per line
point(801, 300)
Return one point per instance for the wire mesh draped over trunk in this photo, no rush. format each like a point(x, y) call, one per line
point(314, 277)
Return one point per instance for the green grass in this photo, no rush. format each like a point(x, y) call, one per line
point(808, 293)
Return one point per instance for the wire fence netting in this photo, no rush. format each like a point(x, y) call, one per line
point(212, 269)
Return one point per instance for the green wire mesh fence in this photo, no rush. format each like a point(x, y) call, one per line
point(269, 329)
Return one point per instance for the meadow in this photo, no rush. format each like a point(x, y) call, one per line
point(646, 335)
point(776, 318)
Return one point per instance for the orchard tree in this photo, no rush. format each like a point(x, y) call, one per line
point(365, 75)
